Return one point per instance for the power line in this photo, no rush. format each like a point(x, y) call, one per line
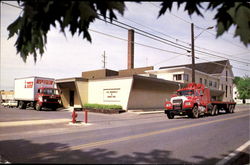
point(200, 27)
point(154, 38)
point(12, 5)
point(183, 54)
point(181, 40)
point(104, 60)
point(170, 42)
point(184, 41)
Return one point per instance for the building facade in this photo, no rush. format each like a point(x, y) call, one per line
point(144, 88)
point(217, 76)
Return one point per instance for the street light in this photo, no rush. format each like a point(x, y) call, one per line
point(211, 27)
point(192, 42)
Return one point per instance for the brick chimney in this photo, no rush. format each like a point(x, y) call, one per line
point(130, 49)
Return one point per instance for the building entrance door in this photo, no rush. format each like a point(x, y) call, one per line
point(71, 98)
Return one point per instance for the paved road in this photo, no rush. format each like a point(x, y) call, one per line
point(28, 136)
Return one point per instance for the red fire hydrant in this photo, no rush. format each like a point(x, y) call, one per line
point(86, 116)
point(74, 116)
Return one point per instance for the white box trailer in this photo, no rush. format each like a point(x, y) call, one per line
point(36, 92)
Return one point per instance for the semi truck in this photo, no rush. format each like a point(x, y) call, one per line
point(195, 100)
point(36, 92)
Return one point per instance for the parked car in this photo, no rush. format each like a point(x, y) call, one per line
point(10, 103)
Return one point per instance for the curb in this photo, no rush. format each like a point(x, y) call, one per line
point(235, 156)
point(151, 112)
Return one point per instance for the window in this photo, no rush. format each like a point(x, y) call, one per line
point(185, 77)
point(185, 93)
point(201, 80)
point(226, 90)
point(215, 84)
point(226, 75)
point(210, 83)
point(205, 81)
point(177, 77)
point(221, 86)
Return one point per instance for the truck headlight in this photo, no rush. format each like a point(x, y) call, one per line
point(40, 98)
point(45, 100)
point(168, 105)
point(188, 103)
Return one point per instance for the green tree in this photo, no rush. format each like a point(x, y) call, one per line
point(33, 25)
point(243, 87)
point(236, 80)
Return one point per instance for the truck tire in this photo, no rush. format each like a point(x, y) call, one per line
point(214, 110)
point(22, 105)
point(228, 110)
point(54, 108)
point(38, 107)
point(231, 108)
point(170, 115)
point(195, 112)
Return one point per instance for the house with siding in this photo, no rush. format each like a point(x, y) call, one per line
point(216, 75)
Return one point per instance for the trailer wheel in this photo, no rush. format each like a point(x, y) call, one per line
point(170, 115)
point(195, 112)
point(214, 110)
point(22, 105)
point(38, 107)
point(231, 109)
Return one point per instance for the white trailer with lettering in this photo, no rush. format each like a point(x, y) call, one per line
point(36, 92)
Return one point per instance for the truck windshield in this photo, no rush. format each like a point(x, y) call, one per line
point(185, 93)
point(51, 91)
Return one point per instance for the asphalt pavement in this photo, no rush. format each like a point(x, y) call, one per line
point(49, 137)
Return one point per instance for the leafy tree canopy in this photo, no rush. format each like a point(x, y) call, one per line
point(243, 87)
point(33, 25)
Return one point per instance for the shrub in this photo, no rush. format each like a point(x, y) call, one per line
point(102, 106)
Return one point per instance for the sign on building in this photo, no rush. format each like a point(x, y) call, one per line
point(111, 95)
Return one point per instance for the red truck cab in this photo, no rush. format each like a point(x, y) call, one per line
point(47, 97)
point(193, 101)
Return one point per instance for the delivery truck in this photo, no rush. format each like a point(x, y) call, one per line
point(195, 100)
point(36, 92)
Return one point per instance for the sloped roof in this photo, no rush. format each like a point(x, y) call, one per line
point(206, 67)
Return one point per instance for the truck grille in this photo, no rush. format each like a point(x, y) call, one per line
point(52, 100)
point(177, 104)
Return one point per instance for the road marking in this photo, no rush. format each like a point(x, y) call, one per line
point(32, 122)
point(105, 142)
point(234, 154)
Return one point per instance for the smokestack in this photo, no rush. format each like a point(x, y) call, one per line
point(130, 49)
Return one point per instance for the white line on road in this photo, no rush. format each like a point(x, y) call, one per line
point(234, 154)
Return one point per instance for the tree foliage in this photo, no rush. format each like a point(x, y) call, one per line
point(33, 25)
point(243, 87)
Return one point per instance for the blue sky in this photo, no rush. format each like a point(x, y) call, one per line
point(68, 56)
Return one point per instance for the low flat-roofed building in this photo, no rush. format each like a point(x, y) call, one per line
point(129, 90)
point(144, 88)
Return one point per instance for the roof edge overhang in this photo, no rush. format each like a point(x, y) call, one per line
point(73, 79)
point(153, 79)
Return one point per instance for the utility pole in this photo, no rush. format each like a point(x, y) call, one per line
point(193, 57)
point(104, 60)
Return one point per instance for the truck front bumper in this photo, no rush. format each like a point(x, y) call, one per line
point(179, 112)
point(50, 105)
